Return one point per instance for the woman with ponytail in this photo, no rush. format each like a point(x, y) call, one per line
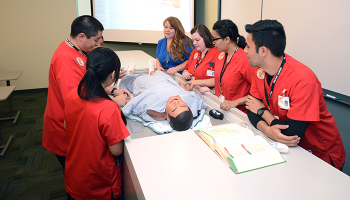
point(233, 74)
point(95, 128)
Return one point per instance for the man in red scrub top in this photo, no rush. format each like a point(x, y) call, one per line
point(286, 99)
point(67, 68)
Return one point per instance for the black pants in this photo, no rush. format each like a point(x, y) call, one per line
point(62, 160)
point(121, 197)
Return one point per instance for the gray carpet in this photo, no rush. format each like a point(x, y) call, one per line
point(28, 170)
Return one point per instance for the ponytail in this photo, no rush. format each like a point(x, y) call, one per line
point(241, 42)
point(101, 62)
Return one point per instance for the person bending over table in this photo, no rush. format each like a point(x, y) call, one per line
point(286, 99)
point(160, 97)
point(233, 74)
point(201, 63)
point(95, 129)
point(174, 49)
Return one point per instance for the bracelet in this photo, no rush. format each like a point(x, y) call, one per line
point(203, 82)
point(112, 92)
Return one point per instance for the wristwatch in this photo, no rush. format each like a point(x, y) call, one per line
point(112, 92)
point(261, 111)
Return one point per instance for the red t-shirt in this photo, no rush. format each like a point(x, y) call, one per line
point(67, 68)
point(208, 63)
point(91, 171)
point(306, 104)
point(236, 79)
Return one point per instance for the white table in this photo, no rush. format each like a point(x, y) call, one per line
point(8, 76)
point(181, 166)
point(138, 57)
point(5, 93)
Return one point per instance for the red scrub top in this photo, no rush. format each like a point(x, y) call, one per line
point(306, 104)
point(67, 68)
point(208, 63)
point(236, 79)
point(91, 171)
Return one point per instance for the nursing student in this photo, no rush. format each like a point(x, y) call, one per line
point(95, 128)
point(174, 49)
point(201, 64)
point(233, 73)
point(286, 99)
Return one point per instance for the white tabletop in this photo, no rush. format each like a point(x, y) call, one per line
point(9, 75)
point(5, 92)
point(181, 166)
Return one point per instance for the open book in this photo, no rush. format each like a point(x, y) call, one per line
point(239, 148)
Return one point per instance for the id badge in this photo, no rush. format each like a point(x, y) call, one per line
point(221, 97)
point(210, 73)
point(283, 102)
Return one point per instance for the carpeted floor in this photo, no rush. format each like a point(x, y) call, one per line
point(28, 171)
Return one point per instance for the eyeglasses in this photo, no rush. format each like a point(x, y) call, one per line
point(216, 39)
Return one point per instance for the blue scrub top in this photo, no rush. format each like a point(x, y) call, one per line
point(162, 54)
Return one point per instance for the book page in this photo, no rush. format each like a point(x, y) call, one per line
point(227, 134)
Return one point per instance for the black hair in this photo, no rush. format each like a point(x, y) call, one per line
point(101, 62)
point(226, 28)
point(182, 121)
point(204, 32)
point(86, 24)
point(268, 33)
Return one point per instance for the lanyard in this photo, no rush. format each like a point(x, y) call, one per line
point(75, 47)
point(223, 69)
point(273, 83)
point(197, 63)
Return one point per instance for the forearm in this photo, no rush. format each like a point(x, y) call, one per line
point(158, 65)
point(181, 66)
point(207, 82)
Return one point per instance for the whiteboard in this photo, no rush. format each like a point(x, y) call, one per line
point(318, 33)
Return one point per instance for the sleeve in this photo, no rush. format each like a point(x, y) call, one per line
point(188, 64)
point(304, 101)
point(69, 77)
point(254, 118)
point(114, 129)
point(295, 127)
point(159, 47)
point(254, 91)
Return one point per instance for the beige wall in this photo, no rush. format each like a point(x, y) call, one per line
point(30, 33)
point(32, 30)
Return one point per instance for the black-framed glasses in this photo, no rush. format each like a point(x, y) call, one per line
point(215, 39)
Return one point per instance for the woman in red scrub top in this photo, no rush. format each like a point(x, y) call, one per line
point(233, 73)
point(201, 64)
point(95, 130)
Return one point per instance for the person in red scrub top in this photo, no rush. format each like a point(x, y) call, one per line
point(95, 128)
point(286, 99)
point(201, 64)
point(233, 74)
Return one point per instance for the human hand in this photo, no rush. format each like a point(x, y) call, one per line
point(183, 85)
point(186, 75)
point(253, 104)
point(122, 73)
point(226, 105)
point(171, 71)
point(276, 134)
point(120, 100)
point(160, 68)
point(191, 84)
point(204, 89)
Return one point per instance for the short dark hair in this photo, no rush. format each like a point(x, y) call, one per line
point(226, 28)
point(86, 24)
point(268, 33)
point(204, 32)
point(182, 121)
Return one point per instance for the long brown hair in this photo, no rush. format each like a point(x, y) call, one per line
point(178, 44)
point(204, 32)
